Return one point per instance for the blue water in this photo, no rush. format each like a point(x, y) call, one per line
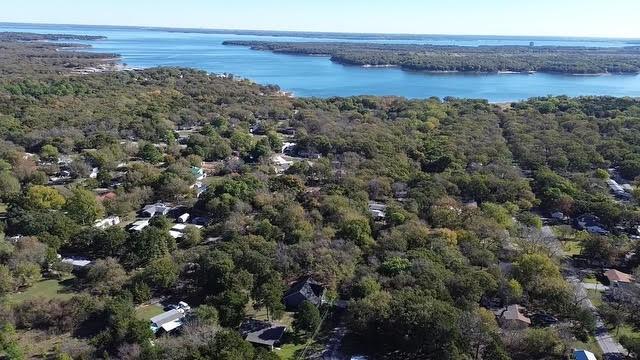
point(318, 76)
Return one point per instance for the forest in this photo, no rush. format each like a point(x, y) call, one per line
point(27, 55)
point(422, 220)
point(481, 59)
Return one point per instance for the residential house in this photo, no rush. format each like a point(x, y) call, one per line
point(591, 224)
point(618, 190)
point(155, 210)
point(512, 317)
point(616, 277)
point(198, 173)
point(304, 290)
point(281, 164)
point(377, 210)
point(309, 154)
point(76, 262)
point(262, 333)
point(139, 225)
point(199, 187)
point(287, 131)
point(168, 321)
point(107, 222)
point(177, 231)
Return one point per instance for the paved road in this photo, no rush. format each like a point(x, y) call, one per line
point(608, 344)
point(332, 351)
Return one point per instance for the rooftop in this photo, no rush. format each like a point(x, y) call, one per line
point(583, 355)
point(262, 332)
point(618, 276)
point(513, 312)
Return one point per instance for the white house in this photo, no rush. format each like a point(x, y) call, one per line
point(107, 222)
point(139, 225)
point(77, 262)
point(171, 319)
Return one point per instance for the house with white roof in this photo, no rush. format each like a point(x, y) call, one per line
point(168, 321)
point(76, 262)
point(139, 225)
point(107, 222)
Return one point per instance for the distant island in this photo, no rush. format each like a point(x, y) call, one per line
point(38, 53)
point(482, 59)
point(24, 36)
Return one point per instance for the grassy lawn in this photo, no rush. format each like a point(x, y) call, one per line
point(289, 351)
point(261, 314)
point(571, 247)
point(595, 297)
point(146, 312)
point(624, 330)
point(48, 289)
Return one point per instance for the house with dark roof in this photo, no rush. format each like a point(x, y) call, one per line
point(262, 333)
point(304, 290)
point(157, 209)
point(591, 224)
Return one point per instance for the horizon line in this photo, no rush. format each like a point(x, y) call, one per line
point(213, 30)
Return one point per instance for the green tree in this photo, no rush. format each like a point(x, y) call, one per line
point(49, 153)
point(147, 245)
point(513, 291)
point(207, 314)
point(602, 174)
point(542, 343)
point(106, 276)
point(121, 326)
point(27, 273)
point(356, 228)
point(6, 280)
point(307, 319)
point(44, 198)
point(141, 292)
point(9, 186)
point(192, 236)
point(83, 207)
point(229, 345)
point(151, 153)
point(269, 294)
point(632, 344)
point(161, 273)
point(9, 343)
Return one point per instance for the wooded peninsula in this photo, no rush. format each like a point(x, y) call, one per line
point(481, 59)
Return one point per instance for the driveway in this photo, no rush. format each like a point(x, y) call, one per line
point(606, 341)
point(332, 351)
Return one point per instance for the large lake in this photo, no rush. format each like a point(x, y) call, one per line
point(318, 76)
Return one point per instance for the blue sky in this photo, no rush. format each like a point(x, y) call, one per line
point(606, 18)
